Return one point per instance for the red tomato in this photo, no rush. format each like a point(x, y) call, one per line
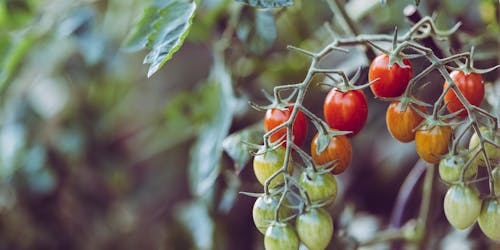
point(275, 117)
point(472, 88)
point(402, 122)
point(392, 81)
point(339, 148)
point(346, 111)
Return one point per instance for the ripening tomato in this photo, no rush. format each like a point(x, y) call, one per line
point(339, 149)
point(392, 80)
point(492, 152)
point(267, 163)
point(321, 188)
point(280, 236)
point(431, 143)
point(462, 206)
point(489, 218)
point(471, 86)
point(401, 122)
point(275, 117)
point(451, 167)
point(346, 111)
point(315, 228)
point(263, 211)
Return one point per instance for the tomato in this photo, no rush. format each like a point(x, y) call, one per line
point(462, 206)
point(496, 179)
point(280, 236)
point(489, 218)
point(492, 152)
point(263, 211)
point(339, 148)
point(321, 188)
point(431, 143)
point(346, 111)
point(392, 81)
point(471, 86)
point(275, 117)
point(266, 164)
point(451, 166)
point(315, 228)
point(401, 122)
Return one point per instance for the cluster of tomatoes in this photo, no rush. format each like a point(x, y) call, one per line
point(346, 109)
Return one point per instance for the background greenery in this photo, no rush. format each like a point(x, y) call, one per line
point(96, 155)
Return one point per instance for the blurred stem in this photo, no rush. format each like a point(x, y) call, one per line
point(423, 230)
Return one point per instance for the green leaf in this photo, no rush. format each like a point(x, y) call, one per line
point(12, 55)
point(257, 28)
point(162, 29)
point(195, 218)
point(267, 3)
point(239, 151)
point(204, 167)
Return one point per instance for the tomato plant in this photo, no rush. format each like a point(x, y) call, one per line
point(432, 142)
point(402, 121)
point(492, 152)
point(281, 236)
point(346, 111)
point(267, 162)
point(275, 117)
point(392, 79)
point(496, 179)
point(264, 209)
point(462, 206)
point(451, 167)
point(321, 187)
point(338, 151)
point(489, 218)
point(470, 85)
point(315, 228)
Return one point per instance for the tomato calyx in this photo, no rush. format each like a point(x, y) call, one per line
point(324, 138)
point(468, 67)
point(345, 84)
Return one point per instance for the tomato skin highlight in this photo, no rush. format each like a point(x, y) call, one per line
point(266, 164)
point(320, 187)
point(401, 123)
point(472, 88)
point(346, 111)
point(392, 82)
point(263, 211)
point(281, 236)
point(489, 219)
point(275, 117)
point(431, 143)
point(339, 148)
point(462, 206)
point(315, 228)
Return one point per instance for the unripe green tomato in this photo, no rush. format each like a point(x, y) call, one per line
point(451, 166)
point(281, 236)
point(489, 218)
point(266, 164)
point(321, 188)
point(496, 179)
point(315, 228)
point(492, 152)
point(462, 206)
point(263, 211)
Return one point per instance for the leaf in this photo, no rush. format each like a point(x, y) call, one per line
point(12, 56)
point(236, 148)
point(257, 28)
point(323, 140)
point(162, 29)
point(195, 218)
point(267, 3)
point(204, 167)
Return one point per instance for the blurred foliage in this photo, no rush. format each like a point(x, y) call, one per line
point(95, 155)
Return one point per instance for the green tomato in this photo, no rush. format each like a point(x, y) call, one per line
point(321, 188)
point(315, 228)
point(451, 166)
point(496, 179)
point(492, 152)
point(489, 219)
point(266, 164)
point(281, 236)
point(462, 206)
point(263, 211)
